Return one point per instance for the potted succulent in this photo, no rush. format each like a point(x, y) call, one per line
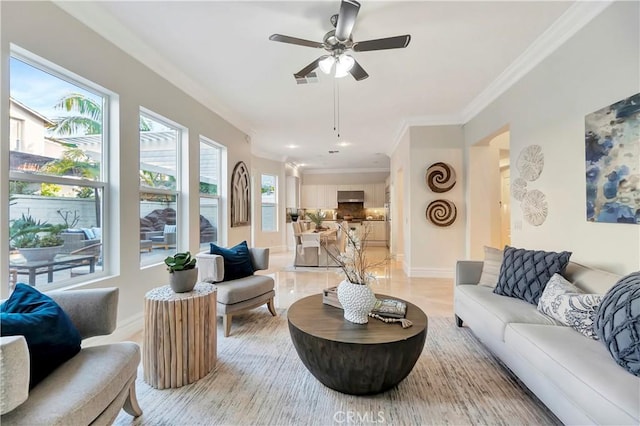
point(35, 240)
point(183, 273)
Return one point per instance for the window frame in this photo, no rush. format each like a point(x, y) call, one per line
point(274, 204)
point(102, 182)
point(218, 196)
point(181, 136)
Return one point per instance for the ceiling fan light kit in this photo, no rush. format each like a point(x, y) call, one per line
point(339, 41)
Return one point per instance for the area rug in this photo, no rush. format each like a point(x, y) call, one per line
point(259, 380)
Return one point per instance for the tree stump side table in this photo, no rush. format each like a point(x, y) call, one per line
point(180, 332)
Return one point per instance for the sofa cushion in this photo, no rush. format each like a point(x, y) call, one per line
point(80, 389)
point(490, 267)
point(525, 273)
point(566, 303)
point(618, 322)
point(581, 370)
point(235, 291)
point(479, 306)
point(51, 336)
point(237, 260)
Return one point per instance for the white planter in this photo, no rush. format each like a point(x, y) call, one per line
point(357, 300)
point(38, 254)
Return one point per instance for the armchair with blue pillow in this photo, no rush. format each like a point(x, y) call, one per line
point(47, 377)
point(238, 288)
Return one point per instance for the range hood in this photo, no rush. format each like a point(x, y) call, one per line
point(351, 196)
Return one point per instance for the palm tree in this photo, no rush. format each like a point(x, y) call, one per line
point(88, 120)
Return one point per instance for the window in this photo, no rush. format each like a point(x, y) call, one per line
point(57, 178)
point(210, 178)
point(269, 191)
point(16, 127)
point(159, 187)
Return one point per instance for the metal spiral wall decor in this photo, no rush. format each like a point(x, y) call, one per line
point(440, 177)
point(441, 212)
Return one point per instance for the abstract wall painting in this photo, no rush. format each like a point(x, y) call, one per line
point(612, 148)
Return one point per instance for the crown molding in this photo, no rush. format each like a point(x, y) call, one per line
point(427, 120)
point(102, 22)
point(268, 155)
point(570, 22)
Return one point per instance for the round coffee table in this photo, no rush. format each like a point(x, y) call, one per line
point(357, 359)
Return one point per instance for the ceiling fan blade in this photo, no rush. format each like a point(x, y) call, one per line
point(293, 40)
point(307, 70)
point(397, 42)
point(346, 19)
point(357, 71)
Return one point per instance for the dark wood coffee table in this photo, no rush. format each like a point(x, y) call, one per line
point(357, 359)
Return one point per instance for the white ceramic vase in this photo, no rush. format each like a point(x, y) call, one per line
point(357, 300)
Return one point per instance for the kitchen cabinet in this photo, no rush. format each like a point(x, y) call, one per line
point(326, 196)
point(309, 196)
point(379, 194)
point(330, 197)
point(368, 195)
point(377, 231)
point(293, 192)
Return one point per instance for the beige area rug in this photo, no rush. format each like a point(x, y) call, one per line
point(259, 380)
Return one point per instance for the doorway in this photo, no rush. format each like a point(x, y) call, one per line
point(489, 211)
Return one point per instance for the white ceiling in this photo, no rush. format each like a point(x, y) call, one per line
point(461, 53)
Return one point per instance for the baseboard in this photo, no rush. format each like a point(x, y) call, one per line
point(431, 272)
point(123, 332)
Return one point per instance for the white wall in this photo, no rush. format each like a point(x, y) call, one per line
point(400, 193)
point(45, 30)
point(274, 240)
point(433, 250)
point(598, 66)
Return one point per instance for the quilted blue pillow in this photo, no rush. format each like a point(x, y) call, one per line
point(525, 273)
point(51, 336)
point(237, 261)
point(617, 322)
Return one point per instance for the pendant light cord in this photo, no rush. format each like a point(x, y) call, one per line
point(336, 107)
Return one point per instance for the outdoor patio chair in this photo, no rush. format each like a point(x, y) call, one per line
point(164, 238)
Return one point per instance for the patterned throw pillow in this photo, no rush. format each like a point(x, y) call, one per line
point(566, 303)
point(525, 273)
point(490, 267)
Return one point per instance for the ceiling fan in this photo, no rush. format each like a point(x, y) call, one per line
point(339, 41)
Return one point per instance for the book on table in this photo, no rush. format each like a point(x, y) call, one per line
point(391, 308)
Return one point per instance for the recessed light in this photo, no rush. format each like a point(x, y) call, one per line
point(344, 143)
point(292, 146)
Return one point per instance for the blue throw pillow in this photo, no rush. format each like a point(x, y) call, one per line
point(525, 273)
point(51, 336)
point(237, 261)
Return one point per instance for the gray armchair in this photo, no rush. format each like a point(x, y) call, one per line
point(239, 295)
point(90, 388)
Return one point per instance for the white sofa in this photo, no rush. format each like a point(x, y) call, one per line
point(573, 375)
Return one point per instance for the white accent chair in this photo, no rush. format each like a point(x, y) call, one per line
point(240, 295)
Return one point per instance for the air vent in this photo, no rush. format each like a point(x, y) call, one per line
point(333, 151)
point(310, 78)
